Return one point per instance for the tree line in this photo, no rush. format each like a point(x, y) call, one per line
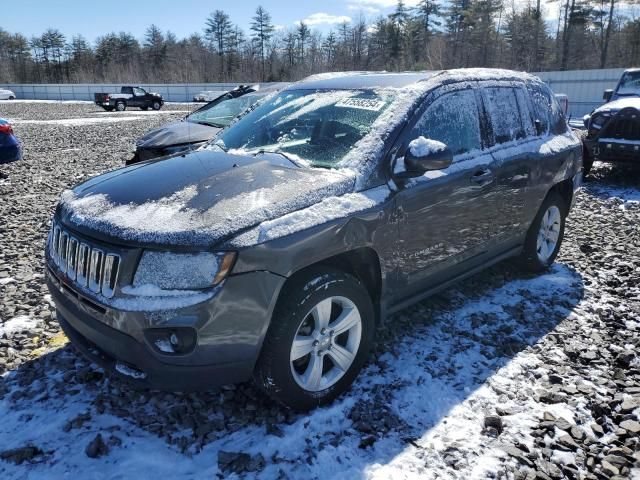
point(432, 35)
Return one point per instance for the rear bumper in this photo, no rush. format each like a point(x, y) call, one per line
point(230, 329)
point(11, 153)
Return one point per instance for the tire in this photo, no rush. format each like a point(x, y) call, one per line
point(587, 165)
point(299, 312)
point(121, 106)
point(12, 97)
point(539, 250)
point(156, 105)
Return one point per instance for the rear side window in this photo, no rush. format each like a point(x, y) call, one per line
point(547, 110)
point(505, 114)
point(453, 120)
point(541, 103)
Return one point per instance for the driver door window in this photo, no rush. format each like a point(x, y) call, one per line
point(453, 120)
point(138, 92)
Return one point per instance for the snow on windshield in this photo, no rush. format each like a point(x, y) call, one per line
point(320, 127)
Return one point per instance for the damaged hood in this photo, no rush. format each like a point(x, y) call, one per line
point(198, 200)
point(618, 105)
point(177, 133)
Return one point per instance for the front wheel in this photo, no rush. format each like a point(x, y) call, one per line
point(318, 341)
point(156, 105)
point(545, 235)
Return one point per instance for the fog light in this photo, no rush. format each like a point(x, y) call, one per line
point(172, 341)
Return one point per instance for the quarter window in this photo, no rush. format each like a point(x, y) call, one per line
point(504, 113)
point(453, 120)
point(541, 103)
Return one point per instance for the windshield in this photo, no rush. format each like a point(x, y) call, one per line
point(221, 112)
point(629, 84)
point(319, 126)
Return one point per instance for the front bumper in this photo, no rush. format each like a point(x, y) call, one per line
point(618, 151)
point(230, 329)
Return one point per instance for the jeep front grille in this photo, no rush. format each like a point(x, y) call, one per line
point(84, 264)
point(623, 126)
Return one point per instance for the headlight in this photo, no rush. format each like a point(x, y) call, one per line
point(183, 271)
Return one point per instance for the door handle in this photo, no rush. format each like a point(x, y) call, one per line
point(482, 177)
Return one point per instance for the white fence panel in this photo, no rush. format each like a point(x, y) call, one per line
point(584, 88)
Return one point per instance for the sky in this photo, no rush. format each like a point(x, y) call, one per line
point(182, 17)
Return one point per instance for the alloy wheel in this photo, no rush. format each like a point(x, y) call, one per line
point(549, 233)
point(326, 344)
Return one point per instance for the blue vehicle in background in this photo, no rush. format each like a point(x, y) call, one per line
point(10, 147)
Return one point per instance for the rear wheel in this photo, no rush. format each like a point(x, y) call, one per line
point(587, 165)
point(545, 235)
point(121, 106)
point(318, 341)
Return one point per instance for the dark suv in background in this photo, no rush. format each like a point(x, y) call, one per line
point(613, 129)
point(276, 251)
point(199, 126)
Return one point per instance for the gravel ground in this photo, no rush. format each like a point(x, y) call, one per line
point(504, 376)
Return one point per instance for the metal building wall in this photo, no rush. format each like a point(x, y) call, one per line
point(584, 88)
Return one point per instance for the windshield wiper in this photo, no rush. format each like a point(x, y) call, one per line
point(281, 153)
point(208, 124)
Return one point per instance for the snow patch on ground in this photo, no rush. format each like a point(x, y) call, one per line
point(17, 324)
point(74, 122)
point(445, 359)
point(626, 197)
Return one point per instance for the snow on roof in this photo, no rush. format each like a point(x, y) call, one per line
point(356, 79)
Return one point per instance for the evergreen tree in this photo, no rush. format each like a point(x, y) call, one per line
point(262, 29)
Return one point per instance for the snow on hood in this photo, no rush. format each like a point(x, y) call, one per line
point(618, 105)
point(177, 133)
point(196, 200)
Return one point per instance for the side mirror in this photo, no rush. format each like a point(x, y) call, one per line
point(424, 154)
point(608, 93)
point(538, 126)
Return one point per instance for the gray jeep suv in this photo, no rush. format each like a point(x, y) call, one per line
point(275, 251)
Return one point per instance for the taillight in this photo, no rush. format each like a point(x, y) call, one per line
point(6, 129)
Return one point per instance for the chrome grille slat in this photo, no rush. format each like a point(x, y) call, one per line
point(62, 251)
point(87, 266)
point(72, 252)
point(95, 270)
point(83, 265)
